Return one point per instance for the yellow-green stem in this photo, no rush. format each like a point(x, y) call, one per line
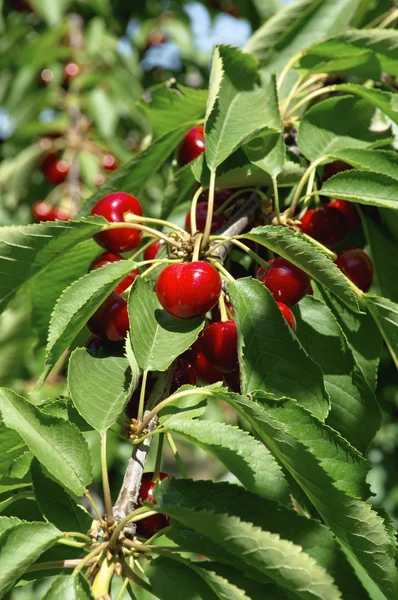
point(177, 456)
point(153, 232)
point(276, 200)
point(132, 218)
point(142, 396)
point(193, 209)
point(325, 90)
point(84, 561)
point(222, 269)
point(102, 581)
point(120, 526)
point(236, 194)
point(287, 68)
point(158, 462)
point(95, 507)
point(196, 249)
point(210, 209)
point(105, 482)
point(223, 309)
point(312, 167)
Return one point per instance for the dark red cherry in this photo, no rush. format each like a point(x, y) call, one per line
point(151, 252)
point(357, 266)
point(110, 321)
point(184, 373)
point(109, 162)
point(45, 212)
point(220, 345)
point(289, 316)
point(286, 282)
point(201, 214)
point(220, 196)
point(349, 212)
point(188, 290)
point(191, 146)
point(109, 257)
point(70, 71)
point(327, 225)
point(333, 168)
point(205, 371)
point(151, 525)
point(114, 207)
point(233, 380)
point(104, 348)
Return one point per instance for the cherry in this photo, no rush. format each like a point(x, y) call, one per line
point(54, 169)
point(109, 162)
point(333, 168)
point(233, 380)
point(220, 196)
point(46, 76)
point(151, 252)
point(201, 214)
point(109, 257)
point(289, 316)
point(45, 212)
point(151, 525)
point(357, 266)
point(70, 71)
point(203, 367)
point(286, 282)
point(188, 290)
point(349, 212)
point(327, 225)
point(191, 146)
point(110, 321)
point(114, 207)
point(220, 345)
point(216, 314)
point(184, 373)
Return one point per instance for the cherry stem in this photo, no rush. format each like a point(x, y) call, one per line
point(77, 534)
point(84, 561)
point(236, 194)
point(243, 247)
point(276, 200)
point(138, 441)
point(287, 68)
point(142, 395)
point(193, 209)
point(222, 269)
point(142, 249)
point(326, 250)
point(95, 507)
point(158, 462)
point(312, 167)
point(389, 19)
point(120, 526)
point(210, 209)
point(223, 308)
point(69, 563)
point(177, 456)
point(196, 250)
point(153, 232)
point(325, 90)
point(66, 542)
point(131, 218)
point(105, 482)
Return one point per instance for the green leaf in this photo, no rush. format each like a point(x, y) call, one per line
point(187, 407)
point(362, 335)
point(170, 107)
point(376, 98)
point(235, 88)
point(58, 445)
point(354, 410)
point(102, 109)
point(360, 531)
point(382, 44)
point(56, 505)
point(134, 175)
point(20, 546)
point(336, 124)
point(12, 447)
point(100, 387)
point(302, 252)
point(51, 12)
point(178, 190)
point(156, 336)
point(384, 253)
point(77, 304)
point(385, 314)
point(69, 587)
point(362, 64)
point(281, 560)
point(384, 162)
point(46, 289)
point(26, 251)
point(364, 187)
point(250, 462)
point(266, 151)
point(271, 357)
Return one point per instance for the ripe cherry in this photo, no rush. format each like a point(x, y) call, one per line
point(205, 371)
point(357, 266)
point(70, 71)
point(327, 225)
point(110, 321)
point(114, 207)
point(289, 316)
point(233, 380)
point(45, 212)
point(151, 252)
point(333, 168)
point(349, 212)
point(191, 146)
point(149, 526)
point(109, 162)
point(220, 345)
point(184, 373)
point(55, 170)
point(286, 282)
point(109, 257)
point(188, 290)
point(220, 196)
point(201, 214)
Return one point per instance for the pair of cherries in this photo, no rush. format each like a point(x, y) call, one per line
point(331, 223)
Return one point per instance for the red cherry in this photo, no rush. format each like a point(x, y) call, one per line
point(151, 252)
point(220, 195)
point(114, 207)
point(349, 212)
point(233, 380)
point(70, 71)
point(357, 266)
point(335, 167)
point(45, 212)
point(109, 162)
point(289, 316)
point(110, 321)
point(188, 290)
point(220, 345)
point(109, 257)
point(286, 282)
point(204, 369)
point(56, 171)
point(216, 314)
point(191, 146)
point(149, 526)
point(327, 225)
point(310, 291)
point(184, 373)
point(201, 214)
